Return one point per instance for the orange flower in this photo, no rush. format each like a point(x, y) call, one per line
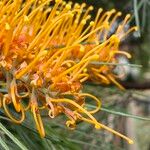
point(48, 51)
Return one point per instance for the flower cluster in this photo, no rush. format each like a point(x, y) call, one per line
point(48, 50)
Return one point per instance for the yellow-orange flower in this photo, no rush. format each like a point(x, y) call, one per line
point(48, 50)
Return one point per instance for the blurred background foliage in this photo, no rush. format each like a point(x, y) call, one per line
point(126, 111)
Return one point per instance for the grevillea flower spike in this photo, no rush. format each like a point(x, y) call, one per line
point(48, 50)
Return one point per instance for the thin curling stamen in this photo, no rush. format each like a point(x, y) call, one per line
point(108, 129)
point(38, 120)
point(13, 96)
point(76, 105)
point(5, 101)
point(129, 31)
point(98, 101)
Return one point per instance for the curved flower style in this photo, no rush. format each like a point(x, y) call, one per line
point(48, 50)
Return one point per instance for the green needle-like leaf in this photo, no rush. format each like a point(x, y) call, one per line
point(120, 113)
point(3, 144)
point(12, 137)
point(124, 114)
point(136, 15)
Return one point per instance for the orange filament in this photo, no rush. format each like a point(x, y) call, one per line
point(108, 129)
point(38, 121)
point(5, 99)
